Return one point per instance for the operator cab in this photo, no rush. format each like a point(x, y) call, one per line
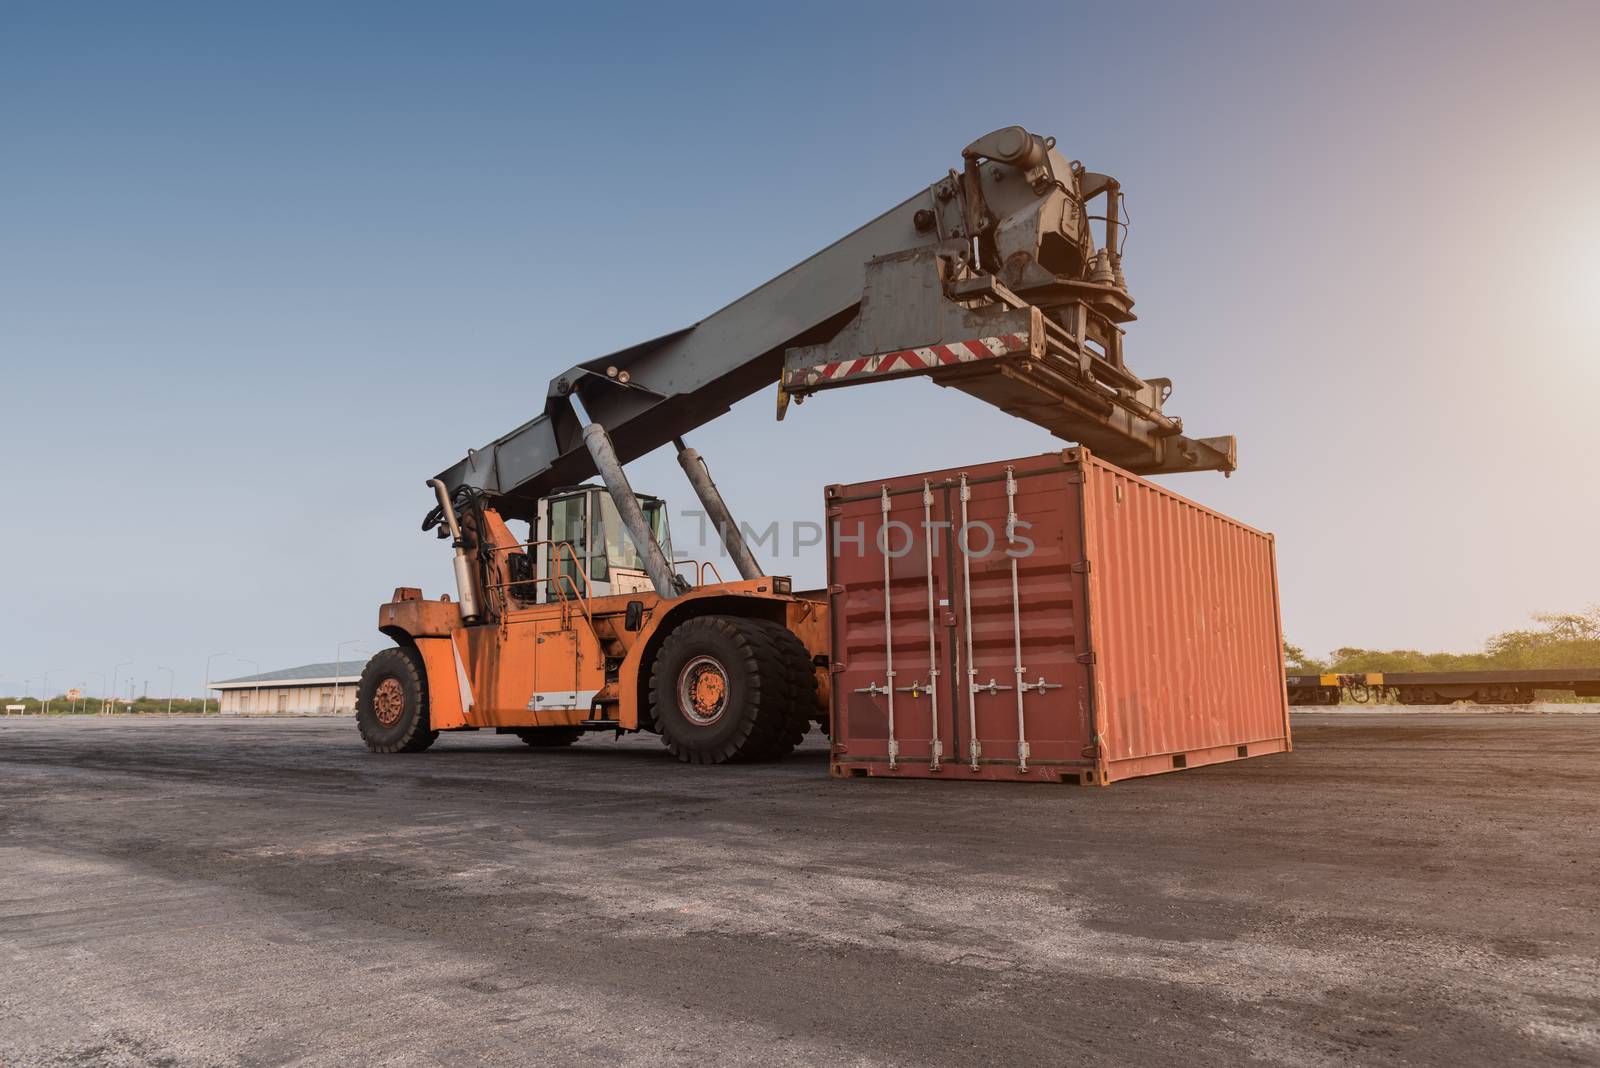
point(586, 518)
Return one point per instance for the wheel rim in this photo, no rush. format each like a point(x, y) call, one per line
point(389, 701)
point(703, 690)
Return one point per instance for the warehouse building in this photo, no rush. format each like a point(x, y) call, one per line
point(308, 690)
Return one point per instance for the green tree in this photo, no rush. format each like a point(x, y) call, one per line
point(1558, 640)
point(1298, 663)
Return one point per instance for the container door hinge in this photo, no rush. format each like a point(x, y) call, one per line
point(1075, 477)
point(1086, 658)
point(1081, 567)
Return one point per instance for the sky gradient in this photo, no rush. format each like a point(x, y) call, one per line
point(266, 270)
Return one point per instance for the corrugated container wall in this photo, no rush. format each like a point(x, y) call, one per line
point(1052, 618)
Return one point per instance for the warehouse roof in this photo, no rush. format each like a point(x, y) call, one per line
point(304, 675)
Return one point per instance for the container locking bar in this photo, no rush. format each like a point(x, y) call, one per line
point(1016, 614)
point(931, 687)
point(974, 750)
point(888, 629)
point(935, 746)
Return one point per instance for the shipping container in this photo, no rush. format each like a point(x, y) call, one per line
point(1052, 618)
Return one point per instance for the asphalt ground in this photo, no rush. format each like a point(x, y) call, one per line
point(1401, 889)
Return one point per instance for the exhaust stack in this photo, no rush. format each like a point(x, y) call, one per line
point(466, 594)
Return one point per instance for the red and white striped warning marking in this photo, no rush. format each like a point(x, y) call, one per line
point(923, 359)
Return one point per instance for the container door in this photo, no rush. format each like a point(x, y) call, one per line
point(1020, 619)
point(929, 677)
point(894, 667)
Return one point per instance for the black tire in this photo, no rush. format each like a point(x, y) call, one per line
point(549, 737)
point(801, 679)
point(722, 689)
point(392, 703)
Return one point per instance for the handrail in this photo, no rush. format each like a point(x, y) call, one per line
point(556, 546)
point(582, 597)
point(583, 602)
point(700, 567)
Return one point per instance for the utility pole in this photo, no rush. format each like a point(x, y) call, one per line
point(205, 698)
point(112, 690)
point(172, 682)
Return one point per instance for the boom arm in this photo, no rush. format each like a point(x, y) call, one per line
point(1002, 248)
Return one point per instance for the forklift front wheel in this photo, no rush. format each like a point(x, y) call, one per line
point(392, 704)
point(719, 691)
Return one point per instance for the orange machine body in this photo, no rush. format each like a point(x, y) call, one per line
point(574, 659)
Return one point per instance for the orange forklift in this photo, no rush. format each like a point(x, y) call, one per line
point(561, 635)
point(989, 281)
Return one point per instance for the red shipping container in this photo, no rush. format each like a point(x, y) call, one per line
point(1114, 629)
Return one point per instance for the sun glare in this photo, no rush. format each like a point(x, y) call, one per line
point(1576, 287)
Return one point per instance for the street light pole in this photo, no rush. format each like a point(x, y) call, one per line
point(114, 672)
point(44, 689)
point(206, 697)
point(172, 682)
point(338, 652)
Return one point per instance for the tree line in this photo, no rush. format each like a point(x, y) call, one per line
point(59, 705)
point(1557, 640)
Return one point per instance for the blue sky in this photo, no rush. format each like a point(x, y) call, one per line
point(264, 270)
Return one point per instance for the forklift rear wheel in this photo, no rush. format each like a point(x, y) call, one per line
point(722, 689)
point(392, 704)
point(549, 737)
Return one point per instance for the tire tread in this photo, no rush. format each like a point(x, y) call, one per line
point(767, 729)
point(406, 664)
